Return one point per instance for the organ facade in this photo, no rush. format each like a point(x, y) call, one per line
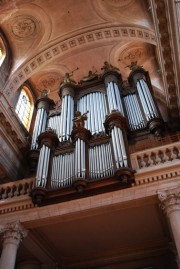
point(86, 139)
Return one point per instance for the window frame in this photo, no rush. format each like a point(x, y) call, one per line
point(25, 107)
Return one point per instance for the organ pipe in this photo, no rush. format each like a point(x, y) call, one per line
point(67, 111)
point(134, 114)
point(100, 161)
point(42, 104)
point(62, 170)
point(47, 141)
point(96, 105)
point(80, 169)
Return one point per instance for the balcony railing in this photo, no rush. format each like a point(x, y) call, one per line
point(156, 164)
point(18, 188)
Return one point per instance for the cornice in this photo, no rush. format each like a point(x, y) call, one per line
point(165, 53)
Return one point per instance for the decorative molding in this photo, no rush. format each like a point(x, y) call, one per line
point(24, 26)
point(13, 231)
point(50, 80)
point(170, 200)
point(65, 46)
point(160, 11)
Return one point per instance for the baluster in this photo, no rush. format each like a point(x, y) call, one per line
point(23, 189)
point(173, 154)
point(11, 192)
point(16, 192)
point(165, 156)
point(157, 158)
point(5, 193)
point(145, 160)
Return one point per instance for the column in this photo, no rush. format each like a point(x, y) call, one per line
point(13, 233)
point(170, 204)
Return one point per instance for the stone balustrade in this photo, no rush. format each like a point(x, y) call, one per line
point(156, 156)
point(17, 188)
point(159, 163)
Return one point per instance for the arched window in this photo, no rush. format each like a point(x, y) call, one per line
point(24, 107)
point(2, 51)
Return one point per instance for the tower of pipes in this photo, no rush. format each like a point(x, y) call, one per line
point(86, 140)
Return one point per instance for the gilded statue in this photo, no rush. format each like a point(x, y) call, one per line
point(107, 67)
point(45, 93)
point(133, 65)
point(91, 75)
point(80, 119)
point(67, 77)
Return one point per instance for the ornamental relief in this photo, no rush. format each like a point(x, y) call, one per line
point(50, 81)
point(24, 26)
point(139, 54)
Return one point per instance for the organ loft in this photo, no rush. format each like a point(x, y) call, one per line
point(85, 141)
point(89, 134)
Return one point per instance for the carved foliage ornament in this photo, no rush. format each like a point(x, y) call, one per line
point(14, 231)
point(170, 200)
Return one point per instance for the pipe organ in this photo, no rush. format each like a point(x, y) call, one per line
point(86, 140)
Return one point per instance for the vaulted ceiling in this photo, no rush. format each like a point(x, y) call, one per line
point(49, 38)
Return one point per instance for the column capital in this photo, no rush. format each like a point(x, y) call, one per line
point(170, 200)
point(13, 233)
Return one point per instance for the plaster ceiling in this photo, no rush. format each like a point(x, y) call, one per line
point(49, 38)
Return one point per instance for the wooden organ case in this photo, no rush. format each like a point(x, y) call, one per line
point(82, 148)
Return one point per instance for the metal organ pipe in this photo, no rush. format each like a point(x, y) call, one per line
point(62, 170)
point(120, 154)
point(143, 101)
point(40, 126)
point(134, 114)
point(100, 161)
point(96, 105)
point(42, 169)
point(139, 116)
point(67, 114)
point(114, 97)
point(147, 101)
point(80, 169)
point(148, 93)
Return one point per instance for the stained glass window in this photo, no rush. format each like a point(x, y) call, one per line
point(24, 107)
